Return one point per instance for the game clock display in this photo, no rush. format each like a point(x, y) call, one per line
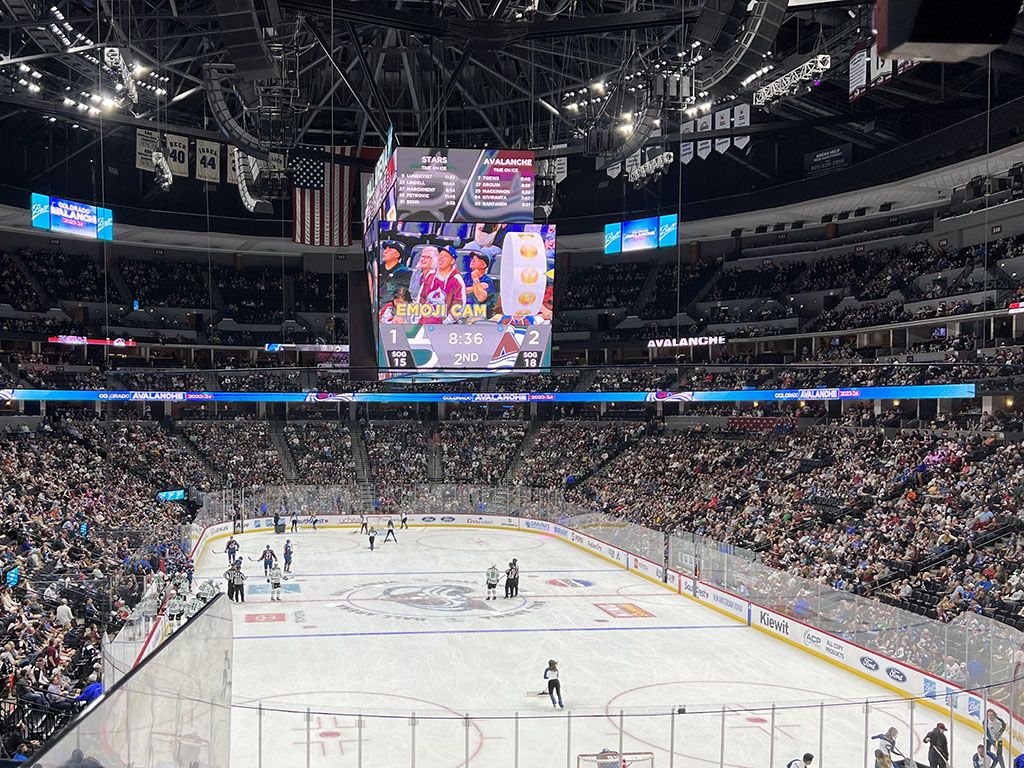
point(469, 298)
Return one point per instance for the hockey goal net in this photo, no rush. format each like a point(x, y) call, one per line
point(616, 760)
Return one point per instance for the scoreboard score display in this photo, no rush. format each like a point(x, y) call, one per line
point(467, 298)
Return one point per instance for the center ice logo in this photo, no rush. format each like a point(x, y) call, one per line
point(420, 602)
point(443, 597)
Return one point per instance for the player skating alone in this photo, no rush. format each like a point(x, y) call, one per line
point(288, 556)
point(405, 521)
point(493, 575)
point(269, 558)
point(275, 583)
point(391, 532)
point(803, 762)
point(371, 535)
point(554, 684)
point(232, 550)
point(362, 524)
point(295, 521)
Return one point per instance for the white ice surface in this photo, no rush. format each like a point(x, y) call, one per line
point(341, 646)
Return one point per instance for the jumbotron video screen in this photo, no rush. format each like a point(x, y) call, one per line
point(462, 298)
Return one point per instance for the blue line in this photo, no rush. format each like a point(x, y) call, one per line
point(484, 631)
point(477, 572)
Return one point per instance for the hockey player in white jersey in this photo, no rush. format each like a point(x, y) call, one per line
point(808, 758)
point(493, 575)
point(275, 583)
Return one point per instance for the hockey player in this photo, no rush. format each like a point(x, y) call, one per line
point(288, 556)
point(493, 574)
point(275, 583)
point(232, 550)
point(405, 521)
point(269, 558)
point(807, 759)
point(372, 534)
point(391, 532)
point(175, 608)
point(554, 685)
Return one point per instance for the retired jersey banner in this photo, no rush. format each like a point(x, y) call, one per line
point(723, 119)
point(232, 166)
point(704, 145)
point(741, 119)
point(686, 148)
point(207, 160)
point(146, 143)
point(176, 152)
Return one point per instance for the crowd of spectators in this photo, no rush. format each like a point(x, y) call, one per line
point(879, 313)
point(564, 451)
point(675, 288)
point(259, 381)
point(241, 451)
point(15, 289)
point(479, 451)
point(79, 531)
point(251, 296)
point(321, 292)
point(845, 508)
point(770, 279)
point(167, 283)
point(74, 277)
point(398, 452)
point(599, 287)
point(322, 452)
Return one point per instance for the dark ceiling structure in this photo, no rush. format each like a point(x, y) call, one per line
point(273, 75)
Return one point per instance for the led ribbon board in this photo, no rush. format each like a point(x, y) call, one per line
point(923, 392)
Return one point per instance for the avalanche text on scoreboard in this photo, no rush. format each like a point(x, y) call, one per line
point(70, 218)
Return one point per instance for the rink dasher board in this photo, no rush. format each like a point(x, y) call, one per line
point(890, 674)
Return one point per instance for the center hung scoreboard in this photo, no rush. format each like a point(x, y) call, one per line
point(461, 280)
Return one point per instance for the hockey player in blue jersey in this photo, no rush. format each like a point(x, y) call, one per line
point(232, 550)
point(288, 556)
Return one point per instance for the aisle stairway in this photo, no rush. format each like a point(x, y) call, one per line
point(280, 442)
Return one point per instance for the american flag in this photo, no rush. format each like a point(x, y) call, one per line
point(322, 200)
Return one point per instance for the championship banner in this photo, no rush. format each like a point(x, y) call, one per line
point(176, 151)
point(232, 167)
point(741, 119)
point(207, 161)
point(686, 148)
point(146, 143)
point(723, 119)
point(704, 145)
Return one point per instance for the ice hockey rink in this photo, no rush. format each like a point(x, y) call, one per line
point(366, 640)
